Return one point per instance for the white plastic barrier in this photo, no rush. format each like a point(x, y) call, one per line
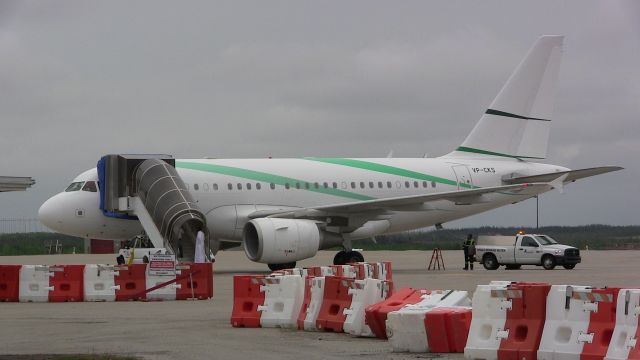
point(489, 315)
point(317, 296)
point(364, 293)
point(282, 301)
point(34, 283)
point(167, 292)
point(624, 334)
point(405, 327)
point(99, 284)
point(565, 328)
point(347, 271)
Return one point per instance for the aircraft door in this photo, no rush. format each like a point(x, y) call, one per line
point(463, 177)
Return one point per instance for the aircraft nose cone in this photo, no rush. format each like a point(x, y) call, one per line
point(49, 213)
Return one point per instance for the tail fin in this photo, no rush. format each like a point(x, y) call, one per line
point(517, 123)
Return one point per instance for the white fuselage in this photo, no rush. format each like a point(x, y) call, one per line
point(228, 190)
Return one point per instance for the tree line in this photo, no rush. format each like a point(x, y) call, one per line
point(596, 237)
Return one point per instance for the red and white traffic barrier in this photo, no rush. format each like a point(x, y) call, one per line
point(376, 314)
point(363, 294)
point(10, 283)
point(95, 282)
point(314, 289)
point(624, 341)
point(406, 327)
point(507, 321)
point(283, 299)
point(579, 322)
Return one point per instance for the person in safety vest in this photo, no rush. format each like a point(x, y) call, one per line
point(469, 249)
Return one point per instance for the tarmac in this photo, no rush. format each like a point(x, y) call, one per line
point(201, 329)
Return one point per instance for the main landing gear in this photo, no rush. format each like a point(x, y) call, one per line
point(346, 257)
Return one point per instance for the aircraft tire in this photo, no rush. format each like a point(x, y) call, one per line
point(354, 256)
point(340, 258)
point(276, 267)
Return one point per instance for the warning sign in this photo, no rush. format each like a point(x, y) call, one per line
point(162, 264)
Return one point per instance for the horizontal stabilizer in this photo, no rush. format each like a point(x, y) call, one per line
point(572, 175)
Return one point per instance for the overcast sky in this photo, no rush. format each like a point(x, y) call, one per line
point(80, 79)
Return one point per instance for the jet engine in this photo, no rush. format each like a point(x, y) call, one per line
point(276, 241)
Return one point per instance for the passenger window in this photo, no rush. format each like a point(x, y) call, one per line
point(379, 184)
point(335, 185)
point(433, 184)
point(239, 186)
point(215, 187)
point(248, 186)
point(389, 184)
point(529, 242)
point(287, 186)
point(371, 184)
point(425, 184)
point(361, 184)
point(90, 186)
point(353, 185)
point(325, 185)
point(230, 186)
point(415, 184)
point(195, 187)
point(272, 186)
point(407, 184)
point(306, 185)
point(316, 185)
point(297, 185)
point(258, 186)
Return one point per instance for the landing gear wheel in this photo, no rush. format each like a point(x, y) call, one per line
point(276, 267)
point(569, 266)
point(354, 256)
point(513, 267)
point(120, 260)
point(340, 258)
point(548, 262)
point(346, 257)
point(490, 262)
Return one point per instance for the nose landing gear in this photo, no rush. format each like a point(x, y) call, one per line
point(345, 257)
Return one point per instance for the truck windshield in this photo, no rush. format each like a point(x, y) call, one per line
point(545, 240)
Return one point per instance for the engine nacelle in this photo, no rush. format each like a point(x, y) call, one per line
point(279, 241)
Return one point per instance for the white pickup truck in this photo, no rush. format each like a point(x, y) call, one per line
point(525, 249)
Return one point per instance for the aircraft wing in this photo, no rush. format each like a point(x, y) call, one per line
point(572, 175)
point(406, 203)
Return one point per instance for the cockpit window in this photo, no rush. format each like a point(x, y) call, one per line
point(75, 186)
point(90, 186)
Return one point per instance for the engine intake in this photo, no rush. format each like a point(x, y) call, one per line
point(277, 241)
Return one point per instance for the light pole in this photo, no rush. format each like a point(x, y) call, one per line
point(537, 211)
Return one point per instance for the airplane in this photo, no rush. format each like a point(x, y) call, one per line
point(286, 210)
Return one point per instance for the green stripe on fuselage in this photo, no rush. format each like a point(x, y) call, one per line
point(268, 178)
point(367, 165)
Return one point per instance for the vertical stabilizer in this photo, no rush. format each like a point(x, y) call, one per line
point(518, 120)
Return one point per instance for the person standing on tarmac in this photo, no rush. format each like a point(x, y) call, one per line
point(469, 249)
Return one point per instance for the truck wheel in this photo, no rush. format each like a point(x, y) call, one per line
point(490, 262)
point(513, 267)
point(569, 266)
point(548, 262)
